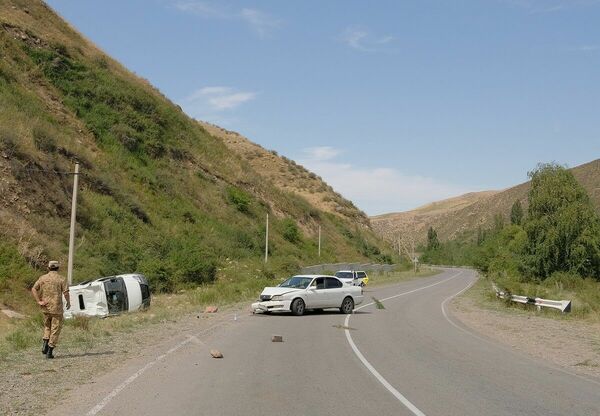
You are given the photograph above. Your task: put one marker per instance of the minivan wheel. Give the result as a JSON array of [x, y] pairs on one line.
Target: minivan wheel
[[298, 307], [347, 306]]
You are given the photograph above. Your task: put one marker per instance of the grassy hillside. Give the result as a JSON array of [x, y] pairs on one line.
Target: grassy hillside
[[159, 194], [463, 215], [287, 175], [413, 225]]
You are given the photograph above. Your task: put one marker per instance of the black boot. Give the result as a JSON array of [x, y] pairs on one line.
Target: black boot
[[49, 354], [45, 347]]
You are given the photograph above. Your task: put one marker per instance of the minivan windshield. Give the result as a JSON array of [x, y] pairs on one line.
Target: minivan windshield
[[344, 275], [297, 282]]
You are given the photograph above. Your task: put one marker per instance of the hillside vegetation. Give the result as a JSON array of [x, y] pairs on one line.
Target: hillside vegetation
[[551, 250], [457, 217], [159, 193], [287, 175]]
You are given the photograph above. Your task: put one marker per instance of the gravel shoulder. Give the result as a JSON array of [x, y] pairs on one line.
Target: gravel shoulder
[[569, 343]]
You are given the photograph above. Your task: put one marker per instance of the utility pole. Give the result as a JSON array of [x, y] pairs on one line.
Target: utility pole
[[72, 230], [319, 241], [267, 240]]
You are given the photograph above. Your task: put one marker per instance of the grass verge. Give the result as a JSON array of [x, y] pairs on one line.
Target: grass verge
[[584, 294]]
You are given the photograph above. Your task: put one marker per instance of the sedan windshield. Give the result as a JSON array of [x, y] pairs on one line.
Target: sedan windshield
[[297, 282]]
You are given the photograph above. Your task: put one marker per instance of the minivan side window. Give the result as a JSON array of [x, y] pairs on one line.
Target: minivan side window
[[360, 275]]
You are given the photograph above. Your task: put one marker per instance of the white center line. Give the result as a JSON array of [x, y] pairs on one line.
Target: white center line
[[414, 409]]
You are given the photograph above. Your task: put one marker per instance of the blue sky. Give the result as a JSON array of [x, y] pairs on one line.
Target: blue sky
[[394, 103]]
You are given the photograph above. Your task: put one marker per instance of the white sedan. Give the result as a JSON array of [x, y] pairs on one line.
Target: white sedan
[[300, 293]]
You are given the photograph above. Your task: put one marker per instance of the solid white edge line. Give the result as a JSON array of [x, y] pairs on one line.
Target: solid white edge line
[[503, 346], [106, 400], [414, 409]]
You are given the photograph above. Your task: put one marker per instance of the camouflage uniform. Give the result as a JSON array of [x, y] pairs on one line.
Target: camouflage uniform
[[51, 287]]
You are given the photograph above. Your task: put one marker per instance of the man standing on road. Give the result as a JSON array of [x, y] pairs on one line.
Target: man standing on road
[[48, 292]]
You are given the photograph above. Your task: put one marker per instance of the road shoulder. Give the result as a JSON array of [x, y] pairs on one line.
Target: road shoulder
[[568, 343]]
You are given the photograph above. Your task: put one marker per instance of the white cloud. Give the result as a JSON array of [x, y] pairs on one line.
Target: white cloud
[[359, 38], [260, 22], [380, 189], [230, 101], [207, 103], [202, 8], [321, 153]]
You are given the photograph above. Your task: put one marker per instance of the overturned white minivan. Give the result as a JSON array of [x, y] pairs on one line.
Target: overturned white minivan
[[109, 296]]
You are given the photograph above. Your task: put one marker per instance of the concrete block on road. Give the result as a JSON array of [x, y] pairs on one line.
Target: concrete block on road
[[277, 338]]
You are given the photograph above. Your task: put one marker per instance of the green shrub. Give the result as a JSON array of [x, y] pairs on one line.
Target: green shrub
[[239, 199], [199, 271], [290, 231]]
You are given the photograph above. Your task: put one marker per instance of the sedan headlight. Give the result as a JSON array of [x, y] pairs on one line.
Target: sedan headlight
[[277, 297]]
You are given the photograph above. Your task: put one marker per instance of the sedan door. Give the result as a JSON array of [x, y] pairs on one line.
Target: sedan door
[[316, 296], [335, 292]]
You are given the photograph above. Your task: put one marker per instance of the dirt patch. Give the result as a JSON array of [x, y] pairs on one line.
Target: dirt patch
[[572, 344]]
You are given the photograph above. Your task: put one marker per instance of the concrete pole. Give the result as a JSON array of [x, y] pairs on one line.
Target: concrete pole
[[319, 241], [72, 230], [267, 240]]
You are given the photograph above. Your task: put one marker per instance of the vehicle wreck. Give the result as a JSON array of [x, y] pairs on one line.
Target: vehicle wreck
[[110, 295]]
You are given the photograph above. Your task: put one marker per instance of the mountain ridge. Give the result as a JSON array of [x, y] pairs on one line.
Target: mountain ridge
[[478, 210]]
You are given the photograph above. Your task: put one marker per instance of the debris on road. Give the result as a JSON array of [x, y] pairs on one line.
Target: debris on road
[[378, 303], [216, 354], [338, 326], [277, 338], [211, 309]]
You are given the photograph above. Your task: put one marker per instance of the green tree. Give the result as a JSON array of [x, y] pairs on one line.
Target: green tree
[[516, 213], [432, 239], [498, 222], [563, 229]]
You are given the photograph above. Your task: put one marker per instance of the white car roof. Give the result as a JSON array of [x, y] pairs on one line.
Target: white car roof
[[312, 276]]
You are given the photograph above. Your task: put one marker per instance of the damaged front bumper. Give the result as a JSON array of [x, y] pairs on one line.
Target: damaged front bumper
[[271, 306]]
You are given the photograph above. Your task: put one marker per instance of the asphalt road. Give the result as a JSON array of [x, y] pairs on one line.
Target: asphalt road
[[411, 358]]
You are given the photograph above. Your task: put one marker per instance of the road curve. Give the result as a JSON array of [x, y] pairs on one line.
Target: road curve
[[410, 358]]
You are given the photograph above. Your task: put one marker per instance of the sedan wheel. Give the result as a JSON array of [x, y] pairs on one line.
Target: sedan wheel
[[347, 306], [298, 307]]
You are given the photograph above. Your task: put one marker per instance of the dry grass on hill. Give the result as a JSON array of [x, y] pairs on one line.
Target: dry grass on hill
[[464, 214]]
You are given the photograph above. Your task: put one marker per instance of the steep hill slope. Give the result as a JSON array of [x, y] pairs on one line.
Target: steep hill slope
[[457, 216], [159, 194], [287, 175]]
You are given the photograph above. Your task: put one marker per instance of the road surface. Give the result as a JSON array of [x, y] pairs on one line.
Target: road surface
[[411, 358]]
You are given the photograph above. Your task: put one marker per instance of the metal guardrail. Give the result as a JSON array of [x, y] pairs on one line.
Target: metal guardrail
[[562, 305]]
